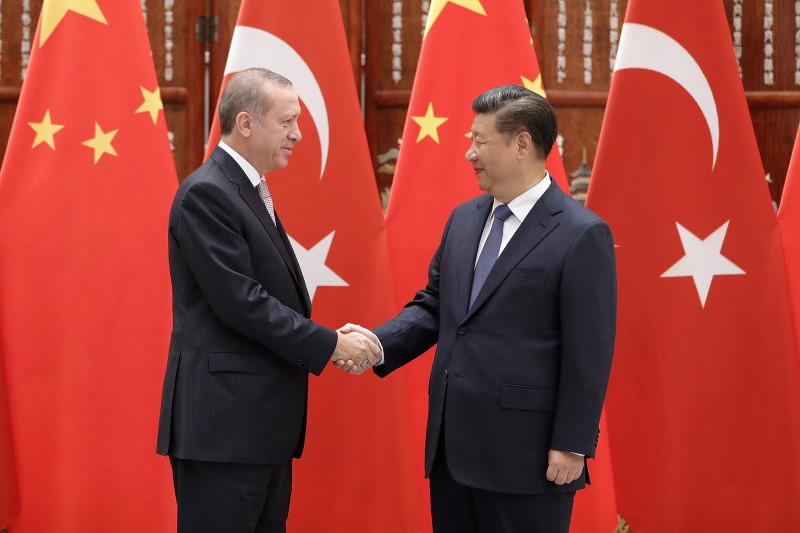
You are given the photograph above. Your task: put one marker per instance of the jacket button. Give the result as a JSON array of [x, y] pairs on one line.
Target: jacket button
[[445, 373], [462, 330]]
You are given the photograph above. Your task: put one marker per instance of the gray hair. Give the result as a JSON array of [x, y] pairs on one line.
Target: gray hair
[[245, 92], [518, 109]]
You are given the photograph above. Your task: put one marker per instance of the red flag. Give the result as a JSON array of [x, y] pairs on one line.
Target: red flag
[[85, 190], [703, 405], [432, 176], [789, 222], [9, 496], [356, 472]]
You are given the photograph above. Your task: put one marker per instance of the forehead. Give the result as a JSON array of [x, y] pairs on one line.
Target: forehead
[[284, 101], [484, 124]]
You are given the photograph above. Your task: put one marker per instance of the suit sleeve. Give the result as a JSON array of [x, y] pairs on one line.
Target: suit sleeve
[[416, 328], [588, 307], [212, 242]]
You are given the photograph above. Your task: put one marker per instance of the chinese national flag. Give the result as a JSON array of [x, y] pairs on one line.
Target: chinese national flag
[[789, 221], [703, 406], [356, 473], [432, 177], [9, 496], [85, 190]]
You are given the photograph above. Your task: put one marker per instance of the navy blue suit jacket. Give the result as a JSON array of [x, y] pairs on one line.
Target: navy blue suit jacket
[[525, 369], [242, 344]]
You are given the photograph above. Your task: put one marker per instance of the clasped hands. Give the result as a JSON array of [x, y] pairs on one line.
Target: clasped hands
[[357, 349]]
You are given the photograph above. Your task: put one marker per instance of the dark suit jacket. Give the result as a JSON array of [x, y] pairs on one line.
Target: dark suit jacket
[[242, 344], [526, 368]]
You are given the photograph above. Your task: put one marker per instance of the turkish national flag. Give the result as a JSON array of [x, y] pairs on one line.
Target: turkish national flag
[[468, 48], [356, 473], [85, 189], [703, 406], [789, 222]]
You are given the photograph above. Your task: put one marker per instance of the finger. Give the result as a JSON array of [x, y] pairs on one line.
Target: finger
[[347, 328], [551, 473], [338, 363], [561, 478], [374, 349]]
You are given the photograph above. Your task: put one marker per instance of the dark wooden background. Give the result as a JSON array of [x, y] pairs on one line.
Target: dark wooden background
[[775, 108]]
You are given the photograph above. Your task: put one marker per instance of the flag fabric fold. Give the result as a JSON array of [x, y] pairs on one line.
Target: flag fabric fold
[[356, 473], [704, 389], [432, 177], [9, 496], [789, 222], [85, 188]]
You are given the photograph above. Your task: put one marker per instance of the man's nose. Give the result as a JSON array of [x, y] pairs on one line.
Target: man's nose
[[295, 134], [470, 155]]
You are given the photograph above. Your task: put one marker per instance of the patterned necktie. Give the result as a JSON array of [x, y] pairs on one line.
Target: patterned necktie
[[491, 249], [263, 192]]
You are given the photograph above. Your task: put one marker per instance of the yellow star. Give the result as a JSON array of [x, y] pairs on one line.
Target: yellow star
[[45, 130], [53, 12], [535, 86], [438, 5], [152, 103], [101, 142], [428, 124]]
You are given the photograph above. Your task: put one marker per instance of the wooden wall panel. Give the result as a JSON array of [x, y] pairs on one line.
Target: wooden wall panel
[[368, 25], [11, 61]]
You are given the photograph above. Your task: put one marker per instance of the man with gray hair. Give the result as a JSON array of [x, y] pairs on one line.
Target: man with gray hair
[[521, 299], [233, 411]]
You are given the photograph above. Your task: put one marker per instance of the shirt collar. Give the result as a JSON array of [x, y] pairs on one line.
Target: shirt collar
[[249, 170], [522, 204]]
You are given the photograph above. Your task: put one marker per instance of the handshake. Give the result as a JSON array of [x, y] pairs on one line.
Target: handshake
[[357, 349]]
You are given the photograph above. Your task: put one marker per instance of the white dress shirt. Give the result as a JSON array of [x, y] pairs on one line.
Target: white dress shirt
[[249, 170], [520, 207]]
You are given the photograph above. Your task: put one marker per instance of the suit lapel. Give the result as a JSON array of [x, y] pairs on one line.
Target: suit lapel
[[468, 252], [537, 225], [250, 196], [301, 282]]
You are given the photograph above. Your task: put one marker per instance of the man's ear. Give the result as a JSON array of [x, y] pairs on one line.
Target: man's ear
[[524, 144], [244, 123]]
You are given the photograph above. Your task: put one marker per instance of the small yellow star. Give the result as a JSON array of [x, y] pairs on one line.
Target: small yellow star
[[101, 142], [152, 103], [45, 131], [428, 124], [535, 86], [53, 12], [438, 5]]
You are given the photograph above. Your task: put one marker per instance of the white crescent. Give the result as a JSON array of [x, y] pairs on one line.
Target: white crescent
[[253, 47], [647, 48]]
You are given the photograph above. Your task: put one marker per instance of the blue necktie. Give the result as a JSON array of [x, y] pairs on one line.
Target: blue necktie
[[491, 249]]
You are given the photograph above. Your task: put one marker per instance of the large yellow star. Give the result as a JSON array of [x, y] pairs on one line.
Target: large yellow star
[[438, 5], [45, 131], [101, 142], [152, 103], [428, 124], [53, 11], [535, 86]]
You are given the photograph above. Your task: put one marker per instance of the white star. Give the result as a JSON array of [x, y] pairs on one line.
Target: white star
[[312, 263], [703, 260]]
